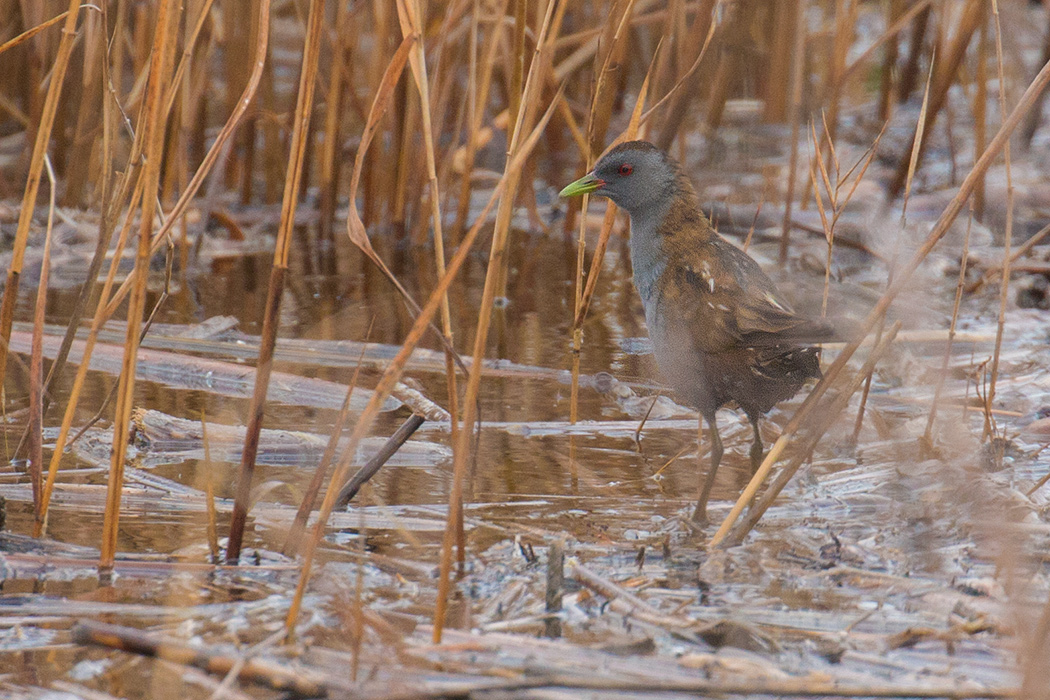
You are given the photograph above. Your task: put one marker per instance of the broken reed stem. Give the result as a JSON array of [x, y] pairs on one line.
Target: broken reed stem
[[268, 340], [136, 641], [1026, 102], [302, 516], [36, 167], [376, 461], [36, 363], [153, 131], [1004, 287]]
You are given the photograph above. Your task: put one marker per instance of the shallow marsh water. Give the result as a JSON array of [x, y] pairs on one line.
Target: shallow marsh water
[[873, 566]]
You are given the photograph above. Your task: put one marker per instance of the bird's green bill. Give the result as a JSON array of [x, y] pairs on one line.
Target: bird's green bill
[[587, 183]]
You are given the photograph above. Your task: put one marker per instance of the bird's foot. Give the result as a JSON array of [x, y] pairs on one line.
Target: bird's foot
[[700, 514]]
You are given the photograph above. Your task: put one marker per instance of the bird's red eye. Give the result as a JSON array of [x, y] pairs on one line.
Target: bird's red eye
[[626, 169]]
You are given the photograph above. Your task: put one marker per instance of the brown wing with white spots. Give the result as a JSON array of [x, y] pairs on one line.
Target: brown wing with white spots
[[727, 301]]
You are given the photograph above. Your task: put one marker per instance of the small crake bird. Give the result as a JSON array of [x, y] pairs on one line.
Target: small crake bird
[[721, 332]]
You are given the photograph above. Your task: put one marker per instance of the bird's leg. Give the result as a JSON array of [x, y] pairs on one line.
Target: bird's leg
[[700, 514], [757, 451]]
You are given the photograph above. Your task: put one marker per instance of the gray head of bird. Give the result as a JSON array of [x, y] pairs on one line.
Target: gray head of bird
[[636, 175]]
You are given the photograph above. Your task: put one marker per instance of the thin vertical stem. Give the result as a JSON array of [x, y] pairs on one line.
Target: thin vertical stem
[[161, 59], [36, 166], [1004, 287], [293, 181], [798, 60]]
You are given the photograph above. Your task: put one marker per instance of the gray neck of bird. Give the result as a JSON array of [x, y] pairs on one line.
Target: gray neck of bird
[[648, 258]]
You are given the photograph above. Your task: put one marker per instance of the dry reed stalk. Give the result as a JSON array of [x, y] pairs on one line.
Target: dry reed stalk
[[1032, 122], [926, 442], [734, 43], [698, 38], [397, 365], [214, 153], [980, 109], [909, 75], [328, 177], [888, 37], [939, 230], [675, 28], [36, 363], [33, 31], [517, 57], [798, 59], [523, 122], [405, 117], [132, 178], [78, 382], [889, 62], [1004, 287], [302, 516], [516, 94], [944, 77], [234, 43], [1022, 251], [829, 227], [354, 225], [473, 118], [783, 22], [117, 47], [412, 25], [136, 641], [36, 165], [110, 213], [87, 96], [209, 493], [1036, 678], [815, 686], [845, 20], [187, 55], [581, 297], [153, 129], [275, 291]]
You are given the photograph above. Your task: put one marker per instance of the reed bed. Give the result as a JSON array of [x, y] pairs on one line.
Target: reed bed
[[426, 129]]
